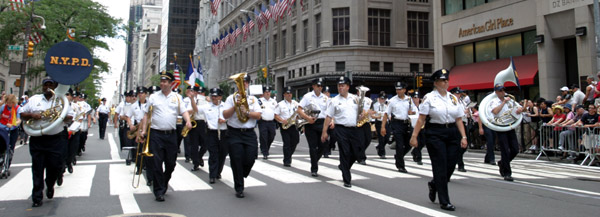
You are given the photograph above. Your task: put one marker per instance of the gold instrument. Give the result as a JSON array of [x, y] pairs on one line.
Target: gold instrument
[[186, 130], [362, 91], [242, 101], [51, 117], [145, 153], [132, 133], [290, 121]]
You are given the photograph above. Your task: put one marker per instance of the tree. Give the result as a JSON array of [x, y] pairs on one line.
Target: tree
[[89, 19]]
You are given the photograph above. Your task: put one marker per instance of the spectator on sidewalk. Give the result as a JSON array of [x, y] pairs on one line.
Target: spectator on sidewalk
[[578, 97], [589, 91]]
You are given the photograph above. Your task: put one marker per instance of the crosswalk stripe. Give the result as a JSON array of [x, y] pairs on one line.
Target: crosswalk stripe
[[393, 200], [412, 169], [18, 188], [183, 180], [331, 173], [520, 169], [227, 178], [114, 152], [120, 177], [280, 174], [77, 184], [371, 170]]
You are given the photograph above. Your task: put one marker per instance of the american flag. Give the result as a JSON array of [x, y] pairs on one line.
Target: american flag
[[231, 36], [250, 24], [177, 80], [16, 5], [238, 31], [257, 19], [283, 6], [244, 30], [291, 7], [34, 36], [214, 5], [265, 16]]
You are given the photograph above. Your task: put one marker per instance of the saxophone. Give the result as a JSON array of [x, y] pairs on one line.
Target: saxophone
[[242, 101], [185, 130], [361, 92], [290, 121]]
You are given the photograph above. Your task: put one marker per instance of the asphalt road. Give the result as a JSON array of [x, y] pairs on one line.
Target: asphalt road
[[101, 186]]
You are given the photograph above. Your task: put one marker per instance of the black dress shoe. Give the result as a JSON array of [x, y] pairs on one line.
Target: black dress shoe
[[462, 169], [239, 194], [325, 156], [127, 162], [74, 161], [160, 198], [382, 157], [50, 193], [347, 185], [500, 168], [432, 191], [287, 165], [187, 160], [219, 177], [59, 181], [70, 168], [419, 163], [37, 204], [83, 149], [508, 178], [492, 163], [314, 174], [212, 181], [201, 162], [448, 207], [362, 162], [265, 157], [149, 183], [402, 170], [195, 168]]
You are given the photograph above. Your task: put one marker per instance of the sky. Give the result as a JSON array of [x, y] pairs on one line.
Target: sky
[[116, 56]]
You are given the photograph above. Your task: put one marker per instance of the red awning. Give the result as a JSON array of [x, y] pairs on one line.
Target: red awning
[[481, 75]]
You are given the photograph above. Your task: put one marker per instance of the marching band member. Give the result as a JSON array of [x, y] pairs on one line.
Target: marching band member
[[186, 140], [317, 102], [266, 125], [380, 107], [444, 129], [46, 150], [217, 129], [102, 115], [366, 130], [135, 116], [197, 135], [131, 123], [332, 140], [166, 105], [87, 109], [509, 145], [343, 108], [284, 110], [242, 138], [458, 93], [416, 152], [179, 125], [400, 107], [74, 131]]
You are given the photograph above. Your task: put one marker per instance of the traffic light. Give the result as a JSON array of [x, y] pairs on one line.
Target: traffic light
[[419, 81], [30, 49], [264, 70]]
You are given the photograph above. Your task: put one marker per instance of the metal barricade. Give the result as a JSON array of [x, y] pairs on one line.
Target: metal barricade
[[569, 141], [591, 144]]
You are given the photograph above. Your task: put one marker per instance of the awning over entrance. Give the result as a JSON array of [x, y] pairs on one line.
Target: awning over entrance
[[481, 75]]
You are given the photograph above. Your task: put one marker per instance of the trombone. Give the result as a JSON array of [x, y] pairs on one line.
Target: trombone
[[145, 153]]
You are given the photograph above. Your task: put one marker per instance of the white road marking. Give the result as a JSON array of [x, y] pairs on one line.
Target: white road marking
[[280, 174], [371, 170], [392, 200], [18, 188], [412, 169], [227, 178], [77, 184], [114, 150], [331, 173], [129, 204], [183, 180], [121, 176]]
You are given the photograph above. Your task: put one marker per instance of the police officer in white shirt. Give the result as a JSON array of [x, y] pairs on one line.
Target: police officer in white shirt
[[290, 136], [317, 103], [165, 106], [331, 143], [197, 135], [459, 160], [266, 124], [366, 130], [380, 107], [242, 141], [216, 133], [87, 109], [399, 108], [73, 139], [343, 108], [121, 119], [509, 145], [102, 115], [444, 129], [46, 150]]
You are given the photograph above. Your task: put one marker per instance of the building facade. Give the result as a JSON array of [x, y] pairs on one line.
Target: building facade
[[206, 31], [144, 15], [551, 43], [377, 42], [178, 32]]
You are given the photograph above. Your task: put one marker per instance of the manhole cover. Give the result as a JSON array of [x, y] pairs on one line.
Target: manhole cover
[[149, 215]]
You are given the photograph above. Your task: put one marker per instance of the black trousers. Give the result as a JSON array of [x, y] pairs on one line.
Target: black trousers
[[102, 119], [443, 145], [164, 148], [402, 132], [382, 139], [72, 147], [366, 131], [217, 150], [416, 152], [290, 138], [83, 139], [266, 130], [509, 148], [122, 136], [46, 154], [178, 129], [316, 147], [490, 141], [349, 141], [331, 142], [461, 152], [198, 145], [243, 150]]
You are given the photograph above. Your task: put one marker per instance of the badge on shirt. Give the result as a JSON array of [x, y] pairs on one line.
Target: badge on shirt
[[174, 100]]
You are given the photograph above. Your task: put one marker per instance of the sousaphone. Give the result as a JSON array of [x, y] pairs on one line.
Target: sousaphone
[[508, 120]]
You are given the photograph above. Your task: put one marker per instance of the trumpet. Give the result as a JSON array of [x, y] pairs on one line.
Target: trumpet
[[146, 153], [242, 101], [186, 130]]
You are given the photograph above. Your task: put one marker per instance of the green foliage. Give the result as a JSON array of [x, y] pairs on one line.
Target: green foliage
[[90, 20], [226, 88]]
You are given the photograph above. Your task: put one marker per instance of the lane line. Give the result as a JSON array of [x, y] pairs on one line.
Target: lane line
[[114, 150], [280, 174], [129, 204], [183, 180], [331, 173], [18, 188], [371, 170], [227, 178], [121, 176]]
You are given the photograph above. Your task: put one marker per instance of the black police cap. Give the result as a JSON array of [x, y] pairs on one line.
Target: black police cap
[[318, 81], [443, 74], [216, 92], [167, 76], [288, 90], [344, 80]]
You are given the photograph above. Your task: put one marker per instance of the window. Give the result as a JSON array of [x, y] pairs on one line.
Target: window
[[283, 43], [305, 36], [246, 59], [318, 68], [418, 29], [463, 54], [453, 6], [294, 11], [294, 40], [496, 48], [259, 54], [388, 66], [414, 67], [341, 26], [317, 2], [340, 66], [528, 46], [427, 68], [312, 69], [509, 46], [274, 47], [485, 50], [318, 30], [252, 55], [379, 27], [374, 66]]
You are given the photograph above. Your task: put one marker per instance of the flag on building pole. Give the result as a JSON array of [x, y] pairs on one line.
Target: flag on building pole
[[200, 78], [214, 5], [177, 80], [257, 19], [283, 6], [192, 74]]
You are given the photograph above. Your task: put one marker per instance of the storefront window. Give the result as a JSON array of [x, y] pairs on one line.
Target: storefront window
[[473, 3], [528, 45], [463, 54], [485, 50], [509, 46], [453, 6]]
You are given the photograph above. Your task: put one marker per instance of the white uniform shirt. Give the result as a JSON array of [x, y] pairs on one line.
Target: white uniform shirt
[[343, 110], [398, 108], [286, 109], [441, 109], [577, 98], [496, 102], [136, 112], [103, 109], [316, 102], [212, 113], [76, 111], [380, 108], [464, 105], [233, 121], [119, 108], [38, 103], [200, 101], [268, 108], [165, 110]]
